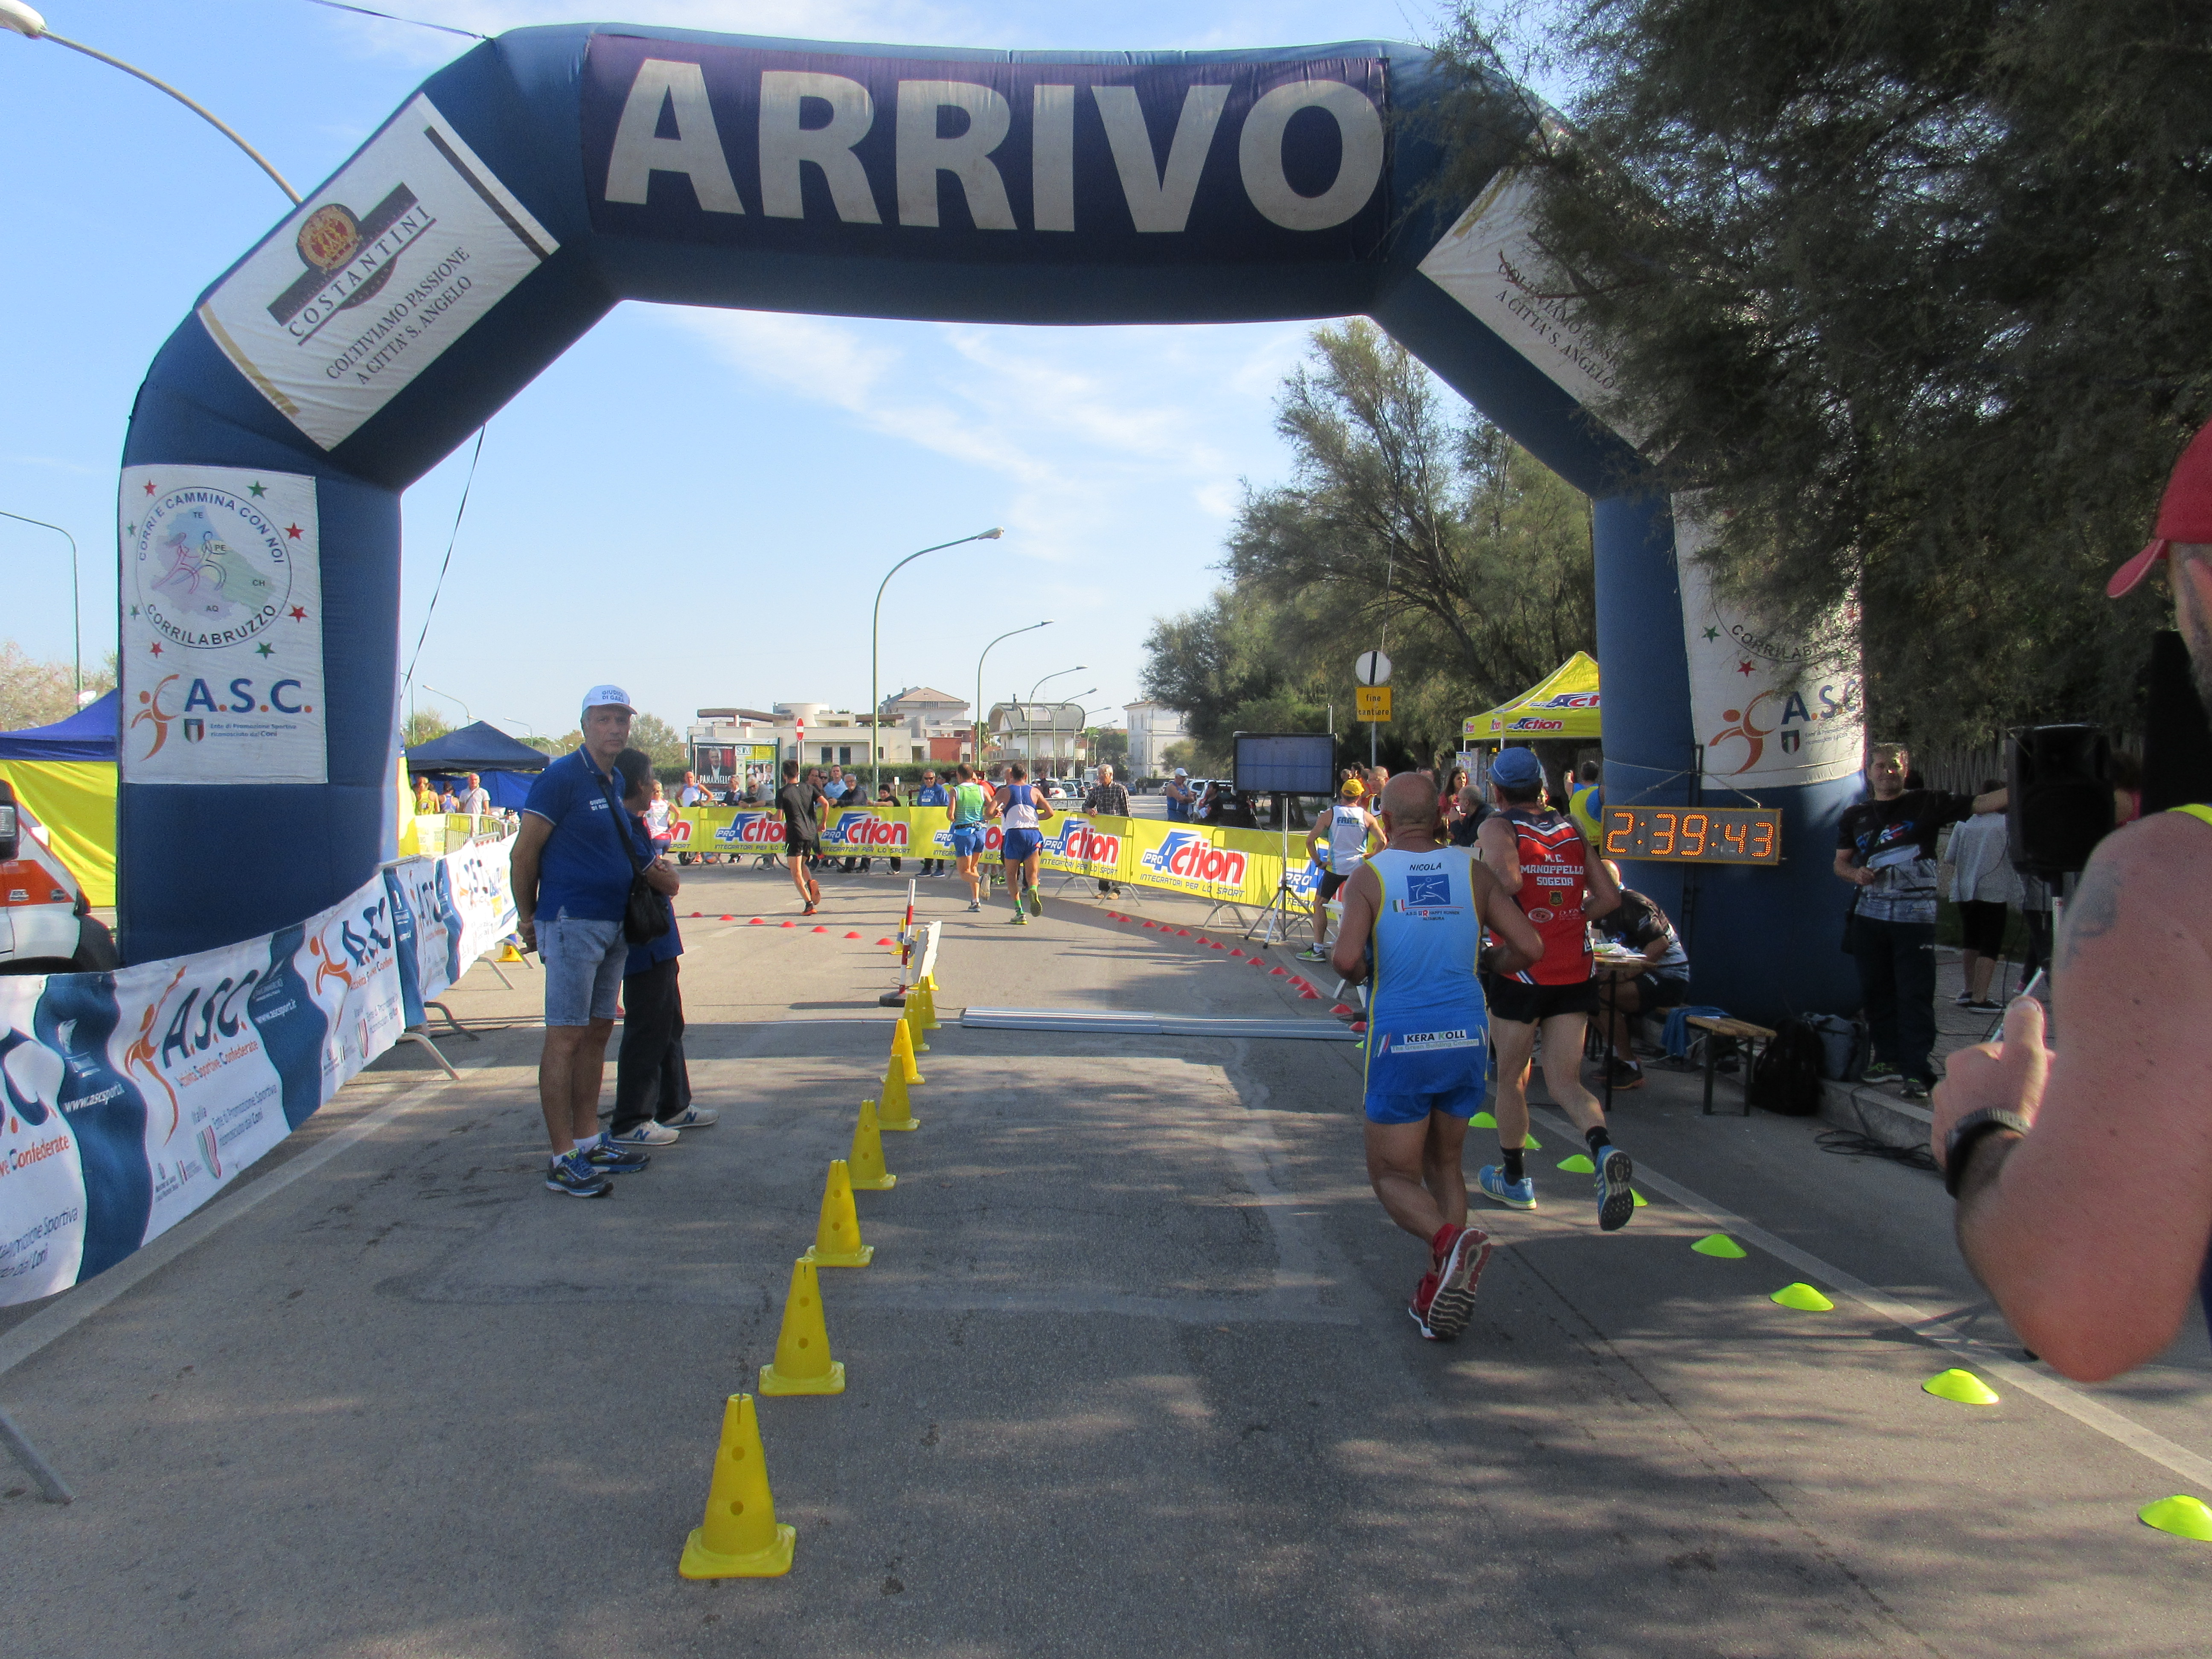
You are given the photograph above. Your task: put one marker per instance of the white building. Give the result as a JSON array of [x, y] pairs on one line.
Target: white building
[[918, 728], [1048, 737], [1152, 727]]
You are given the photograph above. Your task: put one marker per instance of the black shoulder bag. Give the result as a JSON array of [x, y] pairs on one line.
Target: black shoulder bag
[[645, 918]]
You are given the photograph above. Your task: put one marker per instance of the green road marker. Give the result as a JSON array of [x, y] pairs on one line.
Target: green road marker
[[1962, 1386], [2183, 1516], [1578, 1164], [1803, 1298], [1482, 1121], [1722, 1245]]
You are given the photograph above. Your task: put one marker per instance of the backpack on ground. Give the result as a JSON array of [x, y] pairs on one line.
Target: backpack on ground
[[1847, 1047], [1787, 1077]]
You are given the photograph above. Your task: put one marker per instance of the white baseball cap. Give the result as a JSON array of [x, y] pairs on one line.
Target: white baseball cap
[[607, 696], [1181, 773]]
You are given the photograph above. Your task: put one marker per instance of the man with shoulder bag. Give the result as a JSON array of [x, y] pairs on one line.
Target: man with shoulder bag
[[575, 874]]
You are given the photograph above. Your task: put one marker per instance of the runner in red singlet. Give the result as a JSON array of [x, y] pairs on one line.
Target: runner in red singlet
[[1541, 858]]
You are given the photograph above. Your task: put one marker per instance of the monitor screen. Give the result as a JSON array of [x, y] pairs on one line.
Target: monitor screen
[[1286, 763]]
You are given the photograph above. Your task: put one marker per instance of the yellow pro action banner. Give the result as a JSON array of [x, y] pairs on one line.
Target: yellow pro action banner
[[1233, 866]]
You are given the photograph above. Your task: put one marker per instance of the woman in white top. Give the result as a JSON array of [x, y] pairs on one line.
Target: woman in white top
[[1977, 876]]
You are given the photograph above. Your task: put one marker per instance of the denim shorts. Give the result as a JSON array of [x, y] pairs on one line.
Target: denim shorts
[[584, 961]]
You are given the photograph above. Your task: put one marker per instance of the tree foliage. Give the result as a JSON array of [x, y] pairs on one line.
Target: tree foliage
[[1914, 294], [1410, 524], [37, 692], [423, 726]]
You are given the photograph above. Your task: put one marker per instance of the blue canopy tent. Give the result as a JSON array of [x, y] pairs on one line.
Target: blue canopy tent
[[65, 774], [503, 765]]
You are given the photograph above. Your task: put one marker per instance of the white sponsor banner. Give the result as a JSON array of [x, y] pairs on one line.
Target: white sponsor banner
[[222, 627], [373, 276], [41, 1179], [132, 1098], [1764, 714], [1489, 262]]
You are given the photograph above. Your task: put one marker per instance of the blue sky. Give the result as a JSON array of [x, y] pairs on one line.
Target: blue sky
[[697, 504]]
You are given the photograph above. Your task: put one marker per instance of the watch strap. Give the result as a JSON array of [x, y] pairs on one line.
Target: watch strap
[[1967, 1132]]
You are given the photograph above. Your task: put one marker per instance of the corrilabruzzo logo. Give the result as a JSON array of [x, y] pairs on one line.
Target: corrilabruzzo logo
[[222, 627]]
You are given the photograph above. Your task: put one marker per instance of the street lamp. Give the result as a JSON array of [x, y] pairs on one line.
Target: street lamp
[[875, 708], [18, 19], [978, 722], [77, 612], [465, 711], [1029, 722]]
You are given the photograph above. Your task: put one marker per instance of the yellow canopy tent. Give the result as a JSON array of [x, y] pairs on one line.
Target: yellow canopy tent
[[1564, 705], [64, 774]]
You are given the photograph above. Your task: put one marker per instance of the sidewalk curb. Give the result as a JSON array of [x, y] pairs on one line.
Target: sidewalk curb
[[1875, 1113]]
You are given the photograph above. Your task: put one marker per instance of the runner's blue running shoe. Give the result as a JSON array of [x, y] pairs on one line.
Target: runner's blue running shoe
[[1615, 1202], [1514, 1194], [608, 1159], [570, 1176]]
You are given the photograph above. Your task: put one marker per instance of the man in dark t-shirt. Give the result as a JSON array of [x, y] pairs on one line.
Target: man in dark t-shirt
[[1886, 846], [800, 803]]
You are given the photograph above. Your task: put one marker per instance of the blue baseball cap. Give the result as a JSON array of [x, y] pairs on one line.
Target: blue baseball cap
[[1518, 768]]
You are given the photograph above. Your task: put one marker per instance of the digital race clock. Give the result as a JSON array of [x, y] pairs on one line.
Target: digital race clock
[[1695, 835]]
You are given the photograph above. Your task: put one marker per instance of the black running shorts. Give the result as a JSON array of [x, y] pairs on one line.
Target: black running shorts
[[1525, 1004]]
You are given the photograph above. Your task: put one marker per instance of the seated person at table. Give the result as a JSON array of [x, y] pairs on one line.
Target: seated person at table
[[1663, 981]]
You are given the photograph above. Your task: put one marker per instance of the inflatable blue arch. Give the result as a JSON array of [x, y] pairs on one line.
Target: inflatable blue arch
[[546, 175]]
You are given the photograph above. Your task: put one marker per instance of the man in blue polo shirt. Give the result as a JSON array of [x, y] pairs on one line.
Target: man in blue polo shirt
[[572, 873], [932, 793]]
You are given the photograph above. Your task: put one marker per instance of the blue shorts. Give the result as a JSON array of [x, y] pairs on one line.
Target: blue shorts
[[967, 840], [1463, 1102], [1017, 845], [584, 960]]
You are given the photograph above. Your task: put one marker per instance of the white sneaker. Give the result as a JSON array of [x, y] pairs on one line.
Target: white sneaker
[[647, 1133], [694, 1117]]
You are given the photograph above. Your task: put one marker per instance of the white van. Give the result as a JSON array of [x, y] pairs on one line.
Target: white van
[[46, 925]]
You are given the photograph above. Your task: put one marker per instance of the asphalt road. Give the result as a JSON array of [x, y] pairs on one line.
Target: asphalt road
[[1131, 1373]]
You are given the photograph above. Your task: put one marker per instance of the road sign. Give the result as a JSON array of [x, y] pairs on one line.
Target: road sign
[[1372, 668], [1374, 702]]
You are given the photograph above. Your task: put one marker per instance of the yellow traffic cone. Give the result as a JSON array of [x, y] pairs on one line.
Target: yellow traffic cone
[[895, 1112], [910, 1019], [837, 1235], [739, 1537], [508, 953], [868, 1173], [802, 1363], [928, 990], [902, 1051]]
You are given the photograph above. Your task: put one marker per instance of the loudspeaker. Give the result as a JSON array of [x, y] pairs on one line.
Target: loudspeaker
[[2059, 778]]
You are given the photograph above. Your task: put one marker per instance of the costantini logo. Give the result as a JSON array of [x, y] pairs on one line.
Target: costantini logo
[[1187, 854]]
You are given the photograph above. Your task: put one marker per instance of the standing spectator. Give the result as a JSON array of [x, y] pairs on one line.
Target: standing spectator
[[1472, 810], [1107, 798], [800, 802], [691, 794], [1208, 805], [658, 829], [653, 1085], [886, 795], [2035, 916], [837, 785], [447, 800], [1448, 803], [1886, 845], [932, 793], [426, 796], [572, 872], [1178, 795], [475, 799], [1586, 801], [1978, 876]]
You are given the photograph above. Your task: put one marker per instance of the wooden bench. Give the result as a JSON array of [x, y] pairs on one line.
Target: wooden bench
[[1737, 1033]]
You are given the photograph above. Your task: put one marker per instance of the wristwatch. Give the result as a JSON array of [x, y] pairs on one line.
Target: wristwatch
[[1967, 1134]]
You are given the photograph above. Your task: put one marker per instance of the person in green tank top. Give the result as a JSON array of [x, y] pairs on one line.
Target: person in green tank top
[[2083, 1173], [969, 813]]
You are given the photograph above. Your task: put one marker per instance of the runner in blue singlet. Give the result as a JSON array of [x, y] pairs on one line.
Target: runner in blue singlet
[[1425, 906], [1021, 843]]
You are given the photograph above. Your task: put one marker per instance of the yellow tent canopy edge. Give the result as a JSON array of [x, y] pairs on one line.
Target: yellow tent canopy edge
[[74, 800], [1564, 704]]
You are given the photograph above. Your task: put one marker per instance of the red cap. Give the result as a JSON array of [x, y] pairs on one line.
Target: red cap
[[2185, 514]]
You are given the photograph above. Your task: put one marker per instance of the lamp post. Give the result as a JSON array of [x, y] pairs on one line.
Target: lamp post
[[76, 612], [1029, 723], [18, 19], [875, 708], [1008, 634], [466, 713]]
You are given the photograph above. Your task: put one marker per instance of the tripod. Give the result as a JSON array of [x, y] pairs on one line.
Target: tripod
[[1284, 909]]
